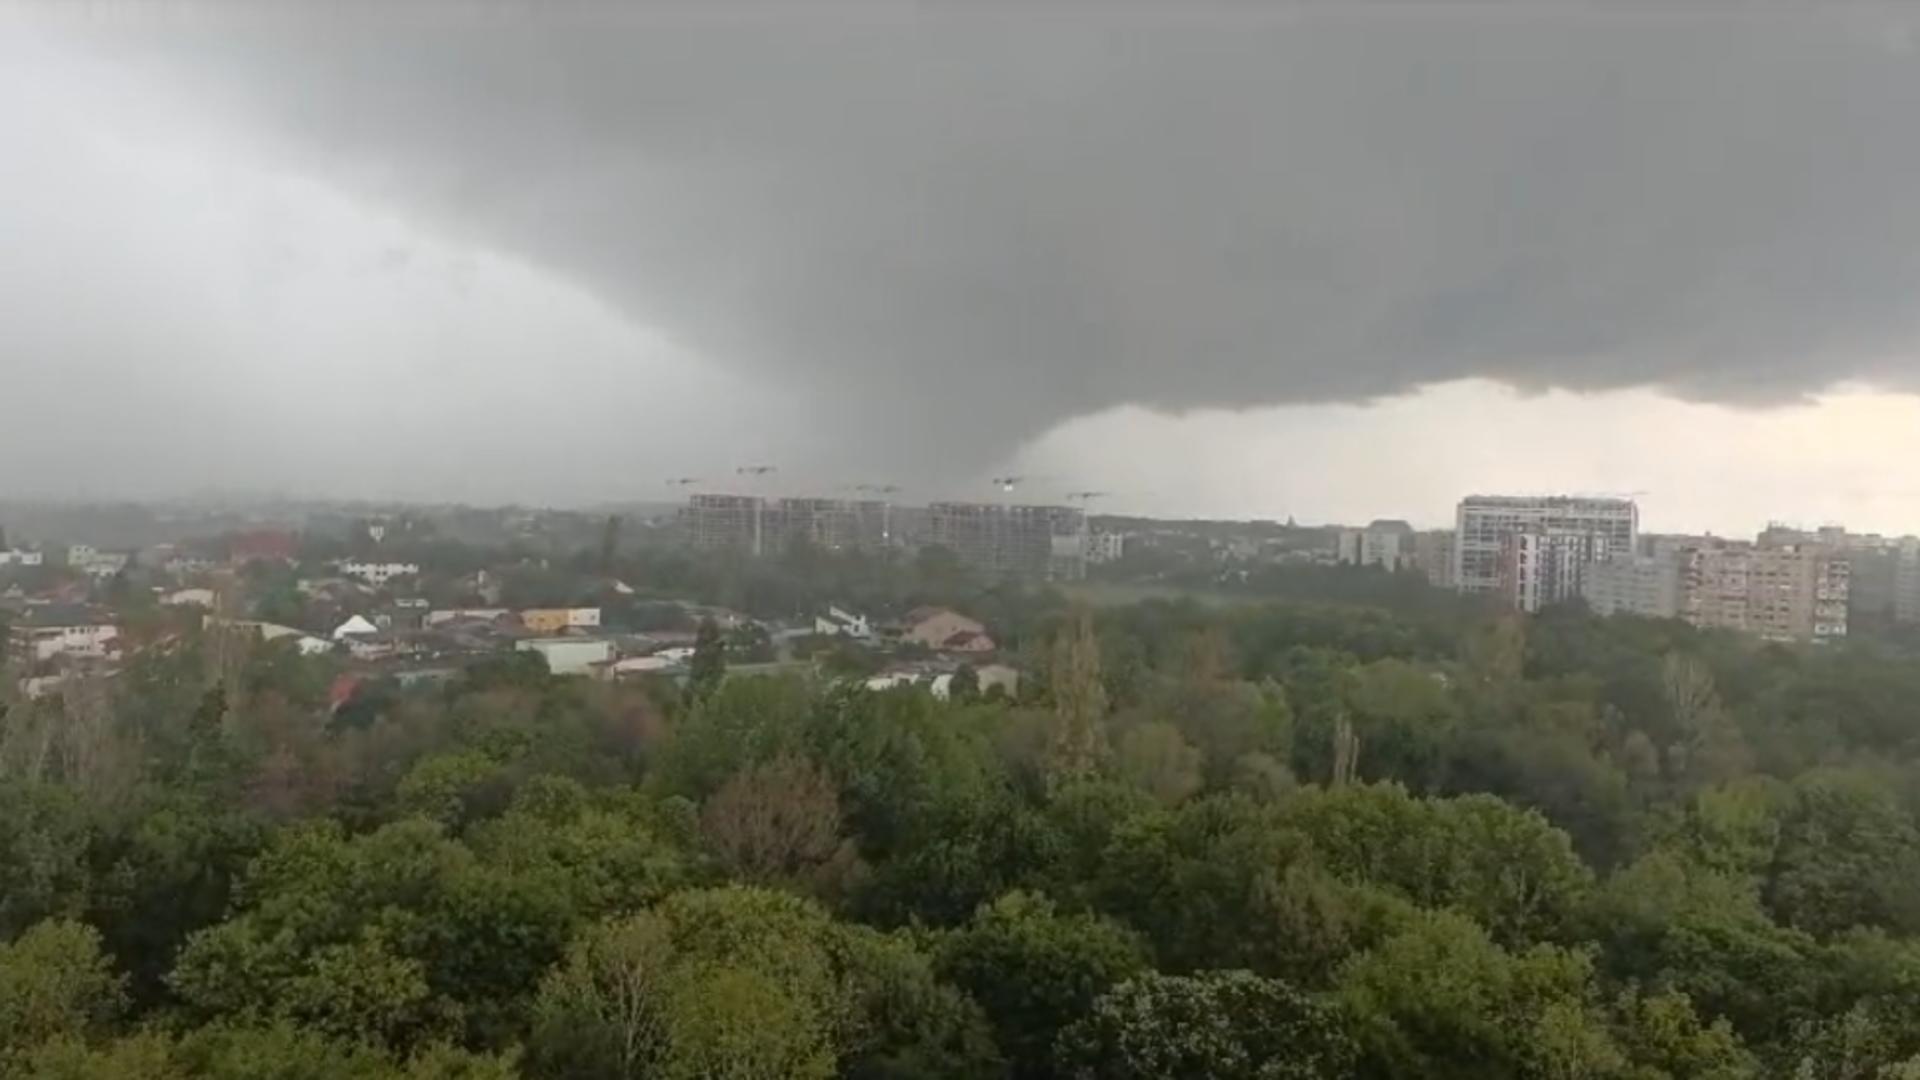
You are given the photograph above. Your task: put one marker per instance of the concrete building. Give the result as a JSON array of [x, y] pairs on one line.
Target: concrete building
[[752, 525], [46, 631], [1642, 585], [998, 541], [839, 622], [1906, 581], [1433, 556], [1482, 522], [560, 620], [21, 557], [945, 630], [1545, 566], [571, 656], [1792, 592], [377, 574], [1106, 547], [1387, 544]]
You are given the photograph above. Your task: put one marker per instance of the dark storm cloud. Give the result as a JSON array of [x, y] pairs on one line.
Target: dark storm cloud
[[950, 234]]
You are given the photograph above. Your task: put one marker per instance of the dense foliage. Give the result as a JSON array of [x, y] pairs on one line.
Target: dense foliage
[[1259, 841]]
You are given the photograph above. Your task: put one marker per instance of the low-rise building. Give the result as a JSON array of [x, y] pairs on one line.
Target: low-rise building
[[46, 631], [21, 557], [944, 630], [838, 622], [377, 574], [195, 597], [571, 656], [559, 620]]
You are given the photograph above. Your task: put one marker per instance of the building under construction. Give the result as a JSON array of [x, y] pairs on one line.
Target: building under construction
[[752, 525], [1045, 543]]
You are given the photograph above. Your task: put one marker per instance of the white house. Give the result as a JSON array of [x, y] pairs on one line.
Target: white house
[[202, 598], [570, 656], [447, 615], [357, 626], [642, 665], [377, 574], [51, 630], [21, 557], [839, 623]]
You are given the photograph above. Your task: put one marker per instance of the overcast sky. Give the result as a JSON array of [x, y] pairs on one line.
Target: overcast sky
[[1335, 263]]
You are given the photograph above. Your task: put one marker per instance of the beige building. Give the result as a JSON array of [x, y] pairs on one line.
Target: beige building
[[945, 630], [1790, 592], [1642, 585]]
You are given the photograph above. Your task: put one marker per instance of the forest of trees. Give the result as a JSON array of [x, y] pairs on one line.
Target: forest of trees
[[1276, 841]]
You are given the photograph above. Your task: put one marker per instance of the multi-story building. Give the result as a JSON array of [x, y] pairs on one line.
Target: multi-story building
[[1000, 541], [1645, 585], [1545, 566], [1906, 581], [1383, 543], [1484, 521], [1433, 556], [1789, 592], [752, 525], [377, 574], [1106, 547], [49, 630]]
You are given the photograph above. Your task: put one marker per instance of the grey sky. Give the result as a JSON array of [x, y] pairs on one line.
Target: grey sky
[[912, 246]]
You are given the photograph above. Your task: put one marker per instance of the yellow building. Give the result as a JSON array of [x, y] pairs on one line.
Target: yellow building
[[545, 620]]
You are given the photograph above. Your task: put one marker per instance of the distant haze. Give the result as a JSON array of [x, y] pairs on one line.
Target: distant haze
[[1215, 263]]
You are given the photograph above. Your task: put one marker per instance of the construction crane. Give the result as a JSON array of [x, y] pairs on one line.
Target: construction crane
[[754, 470], [877, 489], [1007, 483], [1084, 496], [683, 481]]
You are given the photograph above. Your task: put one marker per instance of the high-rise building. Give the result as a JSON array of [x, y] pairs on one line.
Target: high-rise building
[[1906, 581], [1789, 592], [1647, 585], [998, 541], [1484, 521], [752, 525], [1433, 556], [1545, 566], [732, 523]]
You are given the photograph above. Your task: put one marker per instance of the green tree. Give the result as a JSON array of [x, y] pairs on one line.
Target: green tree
[[1226, 1025], [1441, 1000], [708, 667], [1154, 758], [55, 981], [1035, 971], [1078, 741]]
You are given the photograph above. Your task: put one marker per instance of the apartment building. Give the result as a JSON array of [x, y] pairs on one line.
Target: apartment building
[[1906, 581], [1383, 543], [1483, 522], [1644, 585], [1787, 592], [1545, 566], [1433, 556], [752, 525], [998, 541]]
